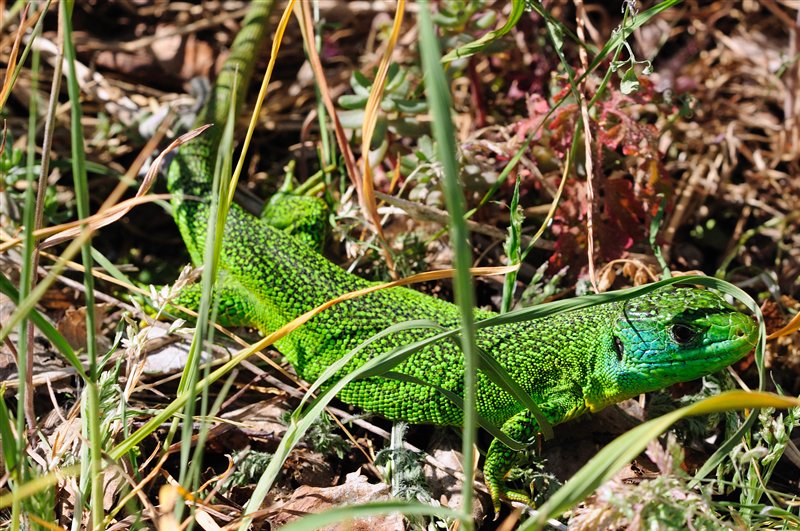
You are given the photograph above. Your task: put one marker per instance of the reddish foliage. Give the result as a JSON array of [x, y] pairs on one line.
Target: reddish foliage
[[629, 173]]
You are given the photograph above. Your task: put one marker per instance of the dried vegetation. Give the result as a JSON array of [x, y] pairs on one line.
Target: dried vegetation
[[705, 152]]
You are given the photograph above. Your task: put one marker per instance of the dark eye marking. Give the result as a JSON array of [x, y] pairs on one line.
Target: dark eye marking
[[682, 334], [619, 348]]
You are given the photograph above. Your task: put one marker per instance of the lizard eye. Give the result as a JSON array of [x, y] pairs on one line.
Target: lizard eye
[[619, 348], [682, 334]]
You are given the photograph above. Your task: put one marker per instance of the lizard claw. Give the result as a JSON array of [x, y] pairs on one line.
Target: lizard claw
[[498, 492], [499, 461]]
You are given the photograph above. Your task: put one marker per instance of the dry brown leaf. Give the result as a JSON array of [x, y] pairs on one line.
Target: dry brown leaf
[[355, 490], [73, 326]]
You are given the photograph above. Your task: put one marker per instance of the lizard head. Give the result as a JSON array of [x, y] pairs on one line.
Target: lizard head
[[668, 336]]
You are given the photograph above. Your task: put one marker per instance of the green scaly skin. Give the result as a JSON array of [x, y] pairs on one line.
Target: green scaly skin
[[570, 363]]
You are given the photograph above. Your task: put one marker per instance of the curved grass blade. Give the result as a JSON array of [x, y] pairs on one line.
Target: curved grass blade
[[471, 48], [335, 367], [627, 446], [301, 422], [491, 368], [585, 301], [458, 401]]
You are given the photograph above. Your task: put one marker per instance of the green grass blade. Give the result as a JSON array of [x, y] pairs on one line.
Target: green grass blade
[[383, 365], [437, 92], [110, 268], [7, 440], [512, 248], [497, 373], [493, 430], [92, 417], [79, 177], [37, 485], [549, 309], [204, 326], [339, 364], [478, 45], [627, 446]]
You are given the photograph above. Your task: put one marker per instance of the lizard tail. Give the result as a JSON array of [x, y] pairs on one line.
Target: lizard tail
[[193, 170]]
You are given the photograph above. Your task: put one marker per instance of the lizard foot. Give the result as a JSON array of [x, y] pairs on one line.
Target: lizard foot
[[499, 460]]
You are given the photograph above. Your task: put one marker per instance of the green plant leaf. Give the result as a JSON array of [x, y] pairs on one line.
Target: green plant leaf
[[7, 439], [478, 45], [629, 83], [352, 101]]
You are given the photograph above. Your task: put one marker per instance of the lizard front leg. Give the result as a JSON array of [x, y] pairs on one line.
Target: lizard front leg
[[523, 427], [303, 217]]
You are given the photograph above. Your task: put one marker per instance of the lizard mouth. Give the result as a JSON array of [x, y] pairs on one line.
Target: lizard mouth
[[691, 345], [727, 338], [647, 360]]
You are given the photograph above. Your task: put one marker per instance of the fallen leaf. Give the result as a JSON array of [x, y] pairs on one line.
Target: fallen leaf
[[355, 490]]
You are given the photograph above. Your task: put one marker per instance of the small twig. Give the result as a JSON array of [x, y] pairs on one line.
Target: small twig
[[54, 401], [429, 213], [10, 345]]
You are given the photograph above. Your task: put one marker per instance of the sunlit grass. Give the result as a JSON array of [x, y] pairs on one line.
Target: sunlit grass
[[192, 401]]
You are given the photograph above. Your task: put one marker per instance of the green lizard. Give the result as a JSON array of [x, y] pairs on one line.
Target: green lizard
[[569, 364]]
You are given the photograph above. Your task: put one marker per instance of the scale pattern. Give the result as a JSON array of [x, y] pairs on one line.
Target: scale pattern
[[569, 363]]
